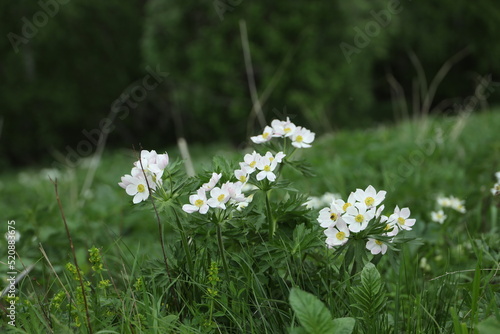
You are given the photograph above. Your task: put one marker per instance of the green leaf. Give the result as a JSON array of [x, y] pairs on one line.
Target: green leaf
[[298, 330], [488, 326], [343, 325], [311, 312]]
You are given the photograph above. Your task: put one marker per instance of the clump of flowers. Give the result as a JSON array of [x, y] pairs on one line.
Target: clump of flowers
[[146, 175], [317, 202], [446, 203], [360, 217], [300, 137], [254, 167], [495, 191]]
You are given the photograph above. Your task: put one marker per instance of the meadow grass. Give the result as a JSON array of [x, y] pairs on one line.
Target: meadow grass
[[443, 281]]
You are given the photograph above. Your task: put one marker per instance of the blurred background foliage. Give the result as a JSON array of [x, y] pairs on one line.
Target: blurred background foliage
[[67, 76]]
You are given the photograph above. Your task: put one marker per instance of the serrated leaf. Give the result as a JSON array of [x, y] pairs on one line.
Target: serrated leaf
[[343, 325], [311, 312]]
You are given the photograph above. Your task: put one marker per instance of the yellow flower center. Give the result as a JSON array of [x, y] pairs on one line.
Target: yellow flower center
[[271, 159], [141, 188], [378, 242], [340, 235], [267, 168], [359, 218], [333, 216], [346, 205], [401, 221], [243, 179], [265, 135], [221, 197], [198, 202], [369, 201], [299, 139], [287, 130], [252, 164], [387, 227]]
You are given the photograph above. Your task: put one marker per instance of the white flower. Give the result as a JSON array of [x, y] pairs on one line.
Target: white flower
[[391, 227], [241, 175], [137, 188], [313, 202], [234, 191], [241, 205], [126, 180], [342, 206], [266, 167], [251, 160], [457, 204], [283, 128], [400, 217], [438, 217], [266, 136], [370, 197], [376, 246], [337, 235], [219, 198], [443, 202], [496, 189], [302, 137], [358, 216], [12, 235], [212, 182], [198, 203], [328, 217], [278, 157]]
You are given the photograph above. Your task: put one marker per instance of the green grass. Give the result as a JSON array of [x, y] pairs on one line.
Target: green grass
[[414, 161]]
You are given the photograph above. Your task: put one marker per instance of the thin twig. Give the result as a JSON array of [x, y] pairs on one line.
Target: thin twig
[[257, 107], [462, 271], [74, 255]]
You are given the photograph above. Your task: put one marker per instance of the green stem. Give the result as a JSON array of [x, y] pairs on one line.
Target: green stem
[[222, 250], [270, 220], [184, 243]]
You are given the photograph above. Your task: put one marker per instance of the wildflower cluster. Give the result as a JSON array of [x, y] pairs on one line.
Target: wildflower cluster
[[361, 217], [451, 202], [495, 191], [95, 259], [300, 137], [231, 193], [146, 175]]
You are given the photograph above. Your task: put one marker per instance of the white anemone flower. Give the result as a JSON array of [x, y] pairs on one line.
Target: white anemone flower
[[328, 217], [137, 188], [198, 203], [438, 216], [376, 246], [251, 161], [241, 175], [337, 235], [266, 136], [358, 216], [212, 182], [302, 138], [496, 189], [342, 206], [401, 218], [370, 197], [283, 128], [266, 167], [219, 197], [457, 204]]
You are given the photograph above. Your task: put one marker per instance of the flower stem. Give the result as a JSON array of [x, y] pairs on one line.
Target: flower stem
[[270, 220], [222, 250], [184, 242]]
